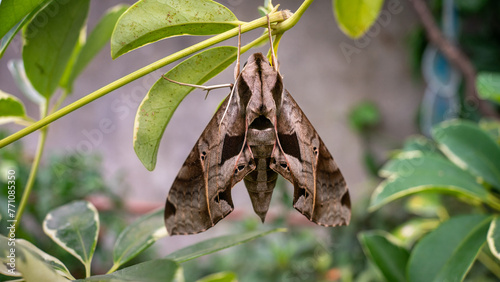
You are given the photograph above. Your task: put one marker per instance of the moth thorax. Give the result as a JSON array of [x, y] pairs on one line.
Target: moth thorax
[[261, 139]]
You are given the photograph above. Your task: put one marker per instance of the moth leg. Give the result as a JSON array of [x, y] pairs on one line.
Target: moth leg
[[237, 67], [205, 88], [274, 61]]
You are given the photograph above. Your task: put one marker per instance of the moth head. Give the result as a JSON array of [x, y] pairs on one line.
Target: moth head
[[260, 88]]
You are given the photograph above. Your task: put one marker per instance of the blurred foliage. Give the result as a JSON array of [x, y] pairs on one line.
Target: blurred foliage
[[425, 173], [304, 253], [363, 116], [363, 119], [479, 33], [62, 179]]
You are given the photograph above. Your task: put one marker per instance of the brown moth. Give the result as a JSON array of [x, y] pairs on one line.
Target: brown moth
[[257, 134]]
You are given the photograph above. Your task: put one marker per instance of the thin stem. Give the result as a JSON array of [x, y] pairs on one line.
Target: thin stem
[[275, 17], [489, 263], [291, 21], [59, 101], [113, 268], [24, 121], [34, 166], [87, 269], [493, 201], [453, 54]]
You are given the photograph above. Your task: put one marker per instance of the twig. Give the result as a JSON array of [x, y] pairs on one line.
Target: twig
[[454, 55]]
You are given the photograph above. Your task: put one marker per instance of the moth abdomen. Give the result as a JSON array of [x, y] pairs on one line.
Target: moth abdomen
[[260, 184]]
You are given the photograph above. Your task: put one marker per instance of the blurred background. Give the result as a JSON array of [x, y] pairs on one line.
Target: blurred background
[[362, 96]]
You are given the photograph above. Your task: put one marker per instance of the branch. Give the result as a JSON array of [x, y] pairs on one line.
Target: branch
[[454, 55]]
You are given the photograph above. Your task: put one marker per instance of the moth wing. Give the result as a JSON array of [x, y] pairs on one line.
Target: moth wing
[[201, 193], [320, 191]]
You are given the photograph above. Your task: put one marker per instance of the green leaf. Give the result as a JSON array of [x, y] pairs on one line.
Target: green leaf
[[51, 261], [364, 115], [157, 270], [492, 127], [48, 48], [472, 149], [383, 250], [149, 21], [494, 237], [6, 38], [488, 86], [412, 230], [216, 244], [97, 39], [419, 143], [13, 11], [11, 108], [447, 253], [16, 68], [470, 6], [220, 277], [138, 236], [74, 227], [419, 173], [355, 17], [26, 262], [426, 205], [162, 100]]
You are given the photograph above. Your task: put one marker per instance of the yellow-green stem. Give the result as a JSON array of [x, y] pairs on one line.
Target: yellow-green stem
[[34, 166], [493, 201], [275, 17], [489, 263]]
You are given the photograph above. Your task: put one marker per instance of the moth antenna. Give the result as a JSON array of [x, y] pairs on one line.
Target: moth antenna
[[205, 88], [227, 107], [237, 67], [274, 61]]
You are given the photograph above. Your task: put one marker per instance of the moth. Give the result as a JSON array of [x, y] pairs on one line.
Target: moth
[[256, 134]]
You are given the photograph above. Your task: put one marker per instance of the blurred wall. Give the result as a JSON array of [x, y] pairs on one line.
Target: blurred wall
[[325, 71]]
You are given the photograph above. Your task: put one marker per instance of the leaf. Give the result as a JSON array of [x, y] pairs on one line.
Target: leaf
[[419, 143], [13, 11], [364, 115], [74, 227], [389, 257], [494, 237], [492, 127], [220, 277], [26, 262], [472, 149], [16, 68], [216, 244], [48, 48], [488, 86], [164, 97], [426, 205], [97, 39], [355, 17], [419, 173], [447, 253], [6, 38], [157, 270], [51, 261], [149, 21], [138, 236], [11, 108], [412, 230]]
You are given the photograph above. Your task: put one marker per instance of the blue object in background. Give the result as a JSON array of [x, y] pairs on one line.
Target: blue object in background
[[441, 99]]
